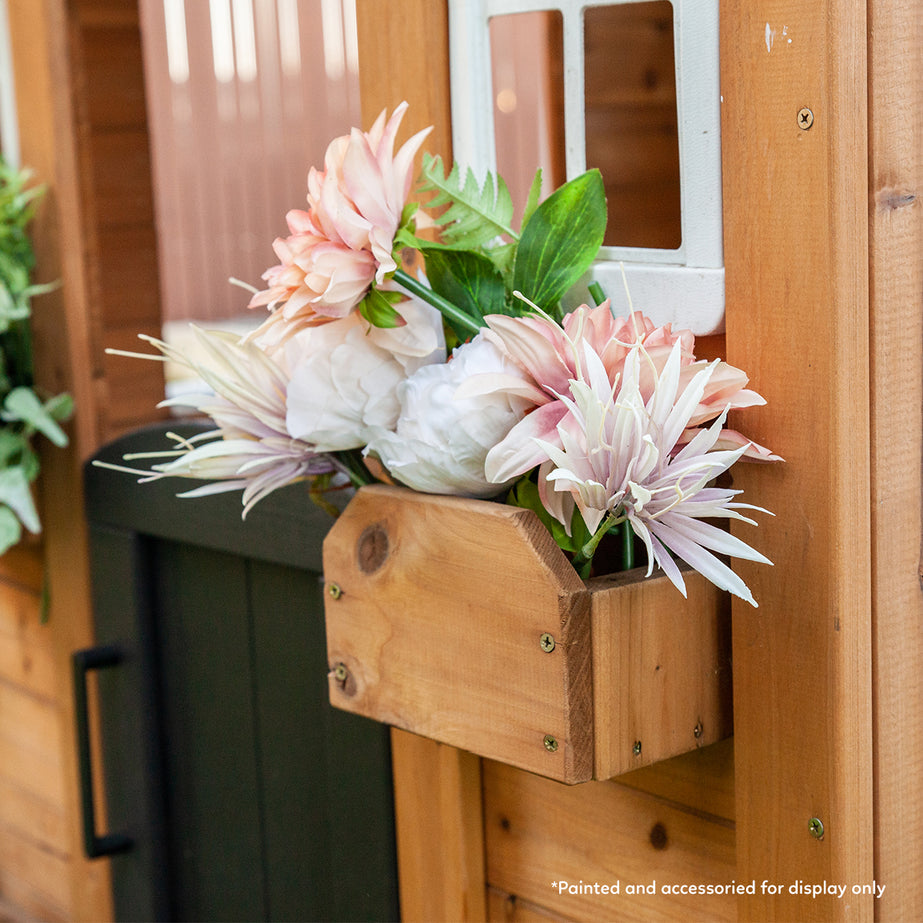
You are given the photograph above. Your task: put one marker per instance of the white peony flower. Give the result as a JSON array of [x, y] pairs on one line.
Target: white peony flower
[[442, 438], [345, 374]]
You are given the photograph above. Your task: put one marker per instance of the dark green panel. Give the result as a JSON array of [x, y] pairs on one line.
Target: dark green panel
[[209, 730], [327, 783], [130, 729]]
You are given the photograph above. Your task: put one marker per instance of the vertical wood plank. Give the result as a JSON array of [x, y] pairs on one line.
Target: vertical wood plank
[[404, 50], [61, 325], [440, 830], [797, 320], [896, 291]]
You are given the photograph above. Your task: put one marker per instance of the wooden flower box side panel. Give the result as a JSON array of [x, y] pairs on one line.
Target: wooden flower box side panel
[[661, 669], [436, 609]]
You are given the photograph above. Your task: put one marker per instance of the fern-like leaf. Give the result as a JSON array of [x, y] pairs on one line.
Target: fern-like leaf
[[477, 213]]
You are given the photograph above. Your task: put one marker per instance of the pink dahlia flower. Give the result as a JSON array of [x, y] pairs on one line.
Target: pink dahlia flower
[[344, 241]]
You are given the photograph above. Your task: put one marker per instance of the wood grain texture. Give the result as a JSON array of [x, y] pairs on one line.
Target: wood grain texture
[[404, 54], [444, 603], [896, 293], [796, 219], [701, 780], [539, 832], [440, 832], [661, 669]]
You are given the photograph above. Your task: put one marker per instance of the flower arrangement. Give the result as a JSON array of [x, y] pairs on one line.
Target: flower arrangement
[[469, 379]]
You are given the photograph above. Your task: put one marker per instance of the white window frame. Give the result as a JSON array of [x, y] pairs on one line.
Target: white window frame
[[684, 286]]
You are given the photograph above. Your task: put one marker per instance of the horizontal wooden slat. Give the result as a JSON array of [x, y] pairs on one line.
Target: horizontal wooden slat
[[40, 872], [32, 904], [507, 908], [701, 781], [30, 723], [539, 832], [32, 817]]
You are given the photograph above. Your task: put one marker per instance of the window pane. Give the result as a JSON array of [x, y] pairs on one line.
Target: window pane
[[631, 124], [527, 61]]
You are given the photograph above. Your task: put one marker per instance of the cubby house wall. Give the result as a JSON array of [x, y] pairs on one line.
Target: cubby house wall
[[824, 257]]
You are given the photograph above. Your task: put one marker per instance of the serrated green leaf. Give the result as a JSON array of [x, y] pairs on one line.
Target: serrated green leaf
[[477, 213], [535, 191], [560, 240], [17, 495], [22, 404], [467, 279], [10, 529], [378, 309]]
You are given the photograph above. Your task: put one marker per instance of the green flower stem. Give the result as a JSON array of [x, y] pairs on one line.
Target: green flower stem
[[596, 293], [584, 557], [350, 462], [446, 308], [628, 545]]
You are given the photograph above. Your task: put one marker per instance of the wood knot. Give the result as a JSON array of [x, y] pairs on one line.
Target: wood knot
[[658, 836], [891, 199], [373, 548]]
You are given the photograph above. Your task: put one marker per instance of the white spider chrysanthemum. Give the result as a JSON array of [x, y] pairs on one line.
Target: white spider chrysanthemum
[[251, 450], [618, 462]]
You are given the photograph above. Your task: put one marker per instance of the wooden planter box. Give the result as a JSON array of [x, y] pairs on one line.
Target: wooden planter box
[[462, 621]]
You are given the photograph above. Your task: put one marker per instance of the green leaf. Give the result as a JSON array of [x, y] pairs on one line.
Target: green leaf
[[22, 404], [60, 407], [13, 447], [524, 493], [560, 240], [10, 529], [378, 309], [476, 213], [16, 494], [535, 191], [468, 280]]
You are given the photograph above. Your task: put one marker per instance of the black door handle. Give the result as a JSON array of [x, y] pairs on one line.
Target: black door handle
[[93, 658]]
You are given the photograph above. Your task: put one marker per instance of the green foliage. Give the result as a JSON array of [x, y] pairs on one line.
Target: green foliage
[[24, 412], [560, 240], [476, 213], [480, 261]]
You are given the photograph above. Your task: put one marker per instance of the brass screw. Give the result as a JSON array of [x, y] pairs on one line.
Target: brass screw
[[547, 642], [340, 672], [816, 826], [335, 590], [805, 118], [551, 744], [636, 749], [697, 730]]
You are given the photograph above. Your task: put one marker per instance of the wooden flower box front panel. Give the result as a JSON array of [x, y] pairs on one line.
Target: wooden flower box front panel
[[462, 621]]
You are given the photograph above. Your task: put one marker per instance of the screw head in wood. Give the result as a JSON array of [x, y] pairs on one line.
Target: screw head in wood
[[551, 743], [547, 642], [698, 730], [340, 673], [816, 826], [805, 118], [636, 749], [334, 590]]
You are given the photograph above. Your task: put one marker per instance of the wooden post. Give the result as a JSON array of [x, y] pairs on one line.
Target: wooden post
[[896, 289], [795, 157]]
